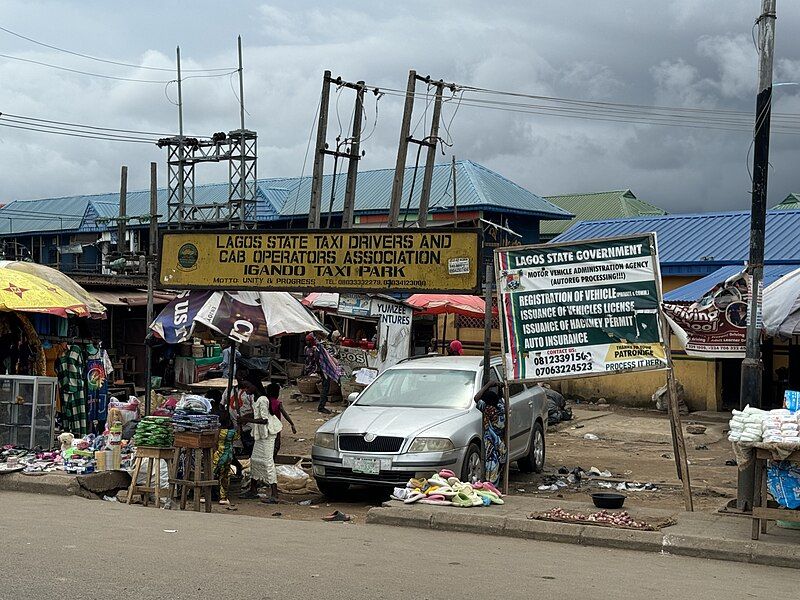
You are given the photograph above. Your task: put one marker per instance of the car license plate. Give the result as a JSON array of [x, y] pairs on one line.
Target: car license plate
[[367, 466]]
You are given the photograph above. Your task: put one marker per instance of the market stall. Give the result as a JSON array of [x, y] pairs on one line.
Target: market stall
[[249, 320], [771, 439], [38, 358]]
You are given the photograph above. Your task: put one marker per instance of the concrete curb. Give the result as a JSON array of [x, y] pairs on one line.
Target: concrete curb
[[49, 483], [755, 552]]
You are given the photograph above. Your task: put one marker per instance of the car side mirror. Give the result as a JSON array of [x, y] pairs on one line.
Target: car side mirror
[[352, 397]]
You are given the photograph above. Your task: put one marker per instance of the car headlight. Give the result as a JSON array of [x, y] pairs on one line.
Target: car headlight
[[422, 444], [325, 440]]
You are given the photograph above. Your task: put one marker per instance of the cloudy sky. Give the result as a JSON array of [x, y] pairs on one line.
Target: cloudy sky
[[677, 53]]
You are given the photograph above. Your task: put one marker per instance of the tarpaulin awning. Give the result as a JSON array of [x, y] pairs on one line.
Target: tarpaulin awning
[[693, 291], [453, 304], [781, 306], [244, 317], [129, 297]]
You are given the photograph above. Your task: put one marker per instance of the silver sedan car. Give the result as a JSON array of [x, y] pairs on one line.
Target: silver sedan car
[[419, 417]]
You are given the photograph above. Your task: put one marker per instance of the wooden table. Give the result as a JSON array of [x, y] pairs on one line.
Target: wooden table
[[155, 456], [193, 454], [762, 511]]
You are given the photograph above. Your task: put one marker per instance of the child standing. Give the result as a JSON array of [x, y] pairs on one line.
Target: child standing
[[276, 408], [223, 456]]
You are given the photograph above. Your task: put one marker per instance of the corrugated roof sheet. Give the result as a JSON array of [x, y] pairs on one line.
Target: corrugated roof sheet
[[50, 214], [598, 206], [476, 186], [281, 197], [704, 241], [791, 202], [695, 290]]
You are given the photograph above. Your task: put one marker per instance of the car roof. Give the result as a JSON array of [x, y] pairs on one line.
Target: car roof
[[471, 363]]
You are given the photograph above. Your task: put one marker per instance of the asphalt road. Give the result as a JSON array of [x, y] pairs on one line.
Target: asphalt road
[[56, 548]]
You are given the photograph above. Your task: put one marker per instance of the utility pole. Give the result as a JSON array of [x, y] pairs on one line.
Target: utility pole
[[751, 365], [402, 152], [432, 142], [123, 210], [242, 149], [355, 156], [181, 148], [319, 155], [151, 257], [455, 195]]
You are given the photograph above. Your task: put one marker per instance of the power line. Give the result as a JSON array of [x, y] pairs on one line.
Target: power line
[[49, 121], [103, 76], [78, 71], [81, 135], [106, 60], [705, 122]]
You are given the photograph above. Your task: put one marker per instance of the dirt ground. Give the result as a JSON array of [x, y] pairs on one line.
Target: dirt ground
[[634, 445]]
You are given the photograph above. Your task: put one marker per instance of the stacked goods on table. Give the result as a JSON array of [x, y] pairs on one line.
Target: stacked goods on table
[[746, 425], [445, 489], [780, 426], [194, 423], [192, 415], [154, 432]]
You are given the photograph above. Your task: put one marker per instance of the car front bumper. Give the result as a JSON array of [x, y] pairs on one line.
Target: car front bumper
[[395, 469]]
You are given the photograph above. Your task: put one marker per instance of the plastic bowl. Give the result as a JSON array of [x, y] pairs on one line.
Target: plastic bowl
[[608, 500]]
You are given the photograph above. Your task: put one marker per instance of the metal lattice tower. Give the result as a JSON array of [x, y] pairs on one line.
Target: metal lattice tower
[[239, 149]]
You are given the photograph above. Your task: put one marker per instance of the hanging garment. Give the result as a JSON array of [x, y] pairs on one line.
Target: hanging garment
[[98, 371], [72, 385]]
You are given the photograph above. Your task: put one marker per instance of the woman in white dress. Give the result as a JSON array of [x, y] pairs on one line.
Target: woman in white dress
[[266, 427]]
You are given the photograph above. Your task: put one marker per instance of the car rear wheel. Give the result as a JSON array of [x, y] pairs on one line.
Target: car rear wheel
[[472, 469], [533, 462], [333, 490]]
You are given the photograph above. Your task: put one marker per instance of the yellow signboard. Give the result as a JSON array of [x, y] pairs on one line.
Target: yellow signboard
[[361, 260]]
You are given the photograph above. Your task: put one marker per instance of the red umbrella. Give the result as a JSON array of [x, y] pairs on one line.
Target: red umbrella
[[453, 304]]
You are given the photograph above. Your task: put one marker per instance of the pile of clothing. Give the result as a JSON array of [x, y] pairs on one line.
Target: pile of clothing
[[194, 423], [746, 425], [445, 489], [780, 426], [154, 432]]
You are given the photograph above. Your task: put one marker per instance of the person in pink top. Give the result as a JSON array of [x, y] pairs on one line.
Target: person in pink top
[[276, 408], [455, 349]]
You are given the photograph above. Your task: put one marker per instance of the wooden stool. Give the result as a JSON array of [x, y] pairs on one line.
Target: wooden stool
[[153, 469], [192, 455]]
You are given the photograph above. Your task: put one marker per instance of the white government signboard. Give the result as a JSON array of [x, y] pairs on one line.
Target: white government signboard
[[577, 309]]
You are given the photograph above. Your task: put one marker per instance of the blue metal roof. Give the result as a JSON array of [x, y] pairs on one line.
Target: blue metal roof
[[701, 243], [281, 197], [696, 289], [47, 215], [477, 188]]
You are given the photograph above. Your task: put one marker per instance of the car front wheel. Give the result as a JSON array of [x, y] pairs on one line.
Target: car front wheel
[[533, 462], [472, 469]]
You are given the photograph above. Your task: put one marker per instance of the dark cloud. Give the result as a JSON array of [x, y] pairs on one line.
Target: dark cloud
[[675, 53]]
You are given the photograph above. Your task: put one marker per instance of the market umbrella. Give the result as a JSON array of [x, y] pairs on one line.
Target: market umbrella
[[780, 306], [62, 281], [449, 304], [320, 300], [244, 317], [21, 291]]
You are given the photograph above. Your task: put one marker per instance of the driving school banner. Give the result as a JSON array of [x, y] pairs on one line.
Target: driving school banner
[[362, 260], [580, 308], [716, 325]]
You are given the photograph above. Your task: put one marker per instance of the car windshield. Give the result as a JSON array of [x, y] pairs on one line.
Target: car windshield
[[421, 388]]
